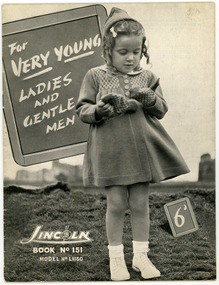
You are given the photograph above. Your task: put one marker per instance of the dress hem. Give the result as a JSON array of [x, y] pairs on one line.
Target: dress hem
[[127, 180]]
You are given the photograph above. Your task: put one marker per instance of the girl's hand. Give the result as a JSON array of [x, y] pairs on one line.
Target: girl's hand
[[133, 106], [103, 109]]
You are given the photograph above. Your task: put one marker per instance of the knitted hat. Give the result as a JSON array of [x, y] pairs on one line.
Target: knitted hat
[[116, 15]]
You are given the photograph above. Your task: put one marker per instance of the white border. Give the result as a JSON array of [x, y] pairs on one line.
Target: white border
[[1, 195]]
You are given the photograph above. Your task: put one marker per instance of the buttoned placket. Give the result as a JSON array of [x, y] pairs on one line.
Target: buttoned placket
[[126, 84]]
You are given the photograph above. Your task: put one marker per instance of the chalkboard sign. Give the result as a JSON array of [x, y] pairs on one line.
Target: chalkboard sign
[[181, 217], [44, 61]]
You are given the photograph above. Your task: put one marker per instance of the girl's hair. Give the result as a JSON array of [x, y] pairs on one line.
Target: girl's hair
[[123, 27]]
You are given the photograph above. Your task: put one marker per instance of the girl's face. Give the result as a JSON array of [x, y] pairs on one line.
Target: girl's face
[[127, 53]]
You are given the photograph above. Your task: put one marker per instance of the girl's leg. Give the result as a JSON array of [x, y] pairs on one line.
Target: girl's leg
[[117, 204], [139, 207]]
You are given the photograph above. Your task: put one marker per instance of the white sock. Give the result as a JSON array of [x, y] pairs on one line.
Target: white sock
[[116, 250], [140, 246]]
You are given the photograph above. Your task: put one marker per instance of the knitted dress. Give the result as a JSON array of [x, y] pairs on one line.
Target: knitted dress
[[131, 147]]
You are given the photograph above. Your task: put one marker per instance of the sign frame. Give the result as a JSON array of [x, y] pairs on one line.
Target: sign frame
[[170, 220], [27, 25]]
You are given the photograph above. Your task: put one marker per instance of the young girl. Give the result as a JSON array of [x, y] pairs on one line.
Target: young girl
[[127, 146]]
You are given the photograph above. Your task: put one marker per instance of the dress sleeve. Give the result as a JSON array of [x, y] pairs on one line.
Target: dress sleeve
[[160, 107], [86, 104]]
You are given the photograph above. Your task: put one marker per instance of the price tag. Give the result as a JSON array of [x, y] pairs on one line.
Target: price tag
[[181, 217]]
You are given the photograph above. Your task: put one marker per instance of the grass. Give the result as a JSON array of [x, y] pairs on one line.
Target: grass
[[189, 257]]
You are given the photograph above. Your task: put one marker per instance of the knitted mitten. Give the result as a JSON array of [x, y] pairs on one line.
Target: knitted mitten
[[120, 103], [146, 96]]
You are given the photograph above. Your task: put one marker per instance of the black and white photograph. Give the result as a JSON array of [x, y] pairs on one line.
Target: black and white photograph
[[108, 139]]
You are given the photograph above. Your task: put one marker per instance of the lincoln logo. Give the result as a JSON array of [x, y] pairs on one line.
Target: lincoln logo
[[57, 237]]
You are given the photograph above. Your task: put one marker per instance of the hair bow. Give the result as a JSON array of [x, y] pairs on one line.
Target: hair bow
[[113, 32]]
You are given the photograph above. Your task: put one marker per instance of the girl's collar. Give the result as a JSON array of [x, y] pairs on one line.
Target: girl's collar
[[110, 70]]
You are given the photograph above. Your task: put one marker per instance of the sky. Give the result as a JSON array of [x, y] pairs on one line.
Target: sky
[[181, 40]]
